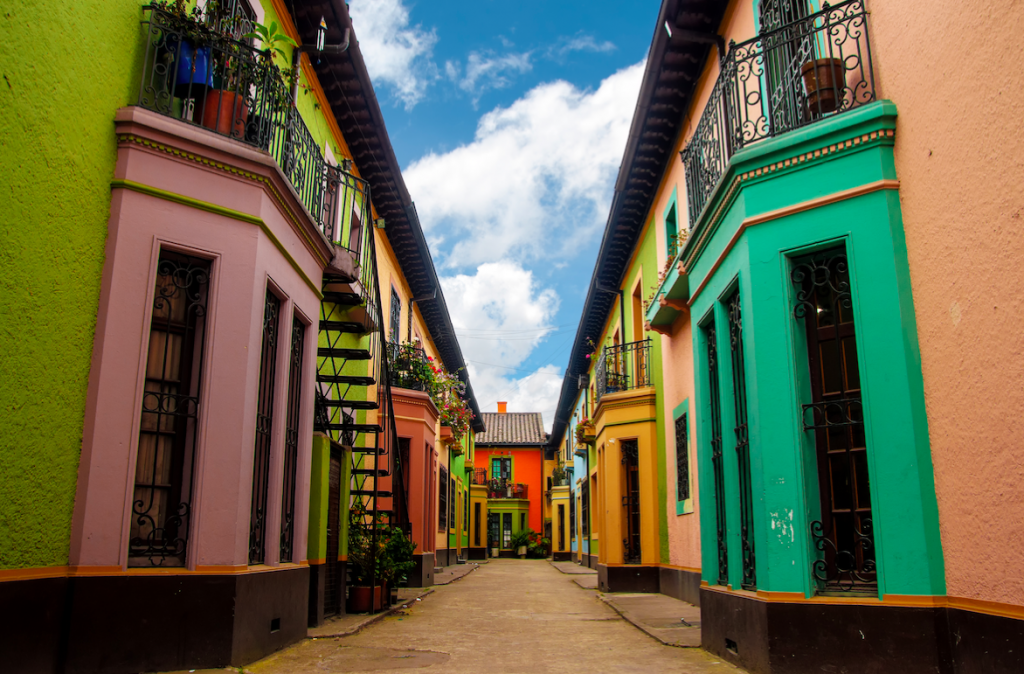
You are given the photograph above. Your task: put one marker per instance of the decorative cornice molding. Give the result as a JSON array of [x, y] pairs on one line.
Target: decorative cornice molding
[[264, 181]]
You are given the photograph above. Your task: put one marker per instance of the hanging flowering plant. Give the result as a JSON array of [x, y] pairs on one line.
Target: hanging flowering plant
[[447, 393]]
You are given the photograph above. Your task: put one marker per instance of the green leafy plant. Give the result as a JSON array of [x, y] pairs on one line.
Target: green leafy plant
[[387, 561], [522, 538], [274, 40]]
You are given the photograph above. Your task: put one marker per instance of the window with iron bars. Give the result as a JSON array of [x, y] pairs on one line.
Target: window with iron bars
[[442, 503], [161, 503]]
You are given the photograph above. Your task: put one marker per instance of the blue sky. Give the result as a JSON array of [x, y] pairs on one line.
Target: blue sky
[[509, 121]]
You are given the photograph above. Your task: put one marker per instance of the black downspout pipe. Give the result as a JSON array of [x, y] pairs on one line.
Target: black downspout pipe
[[332, 49]]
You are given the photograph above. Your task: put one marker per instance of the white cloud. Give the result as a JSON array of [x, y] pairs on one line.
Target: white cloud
[[536, 181], [579, 42], [396, 53], [501, 315], [487, 70]]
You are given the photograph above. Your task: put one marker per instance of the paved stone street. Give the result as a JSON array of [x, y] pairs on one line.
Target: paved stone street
[[507, 616]]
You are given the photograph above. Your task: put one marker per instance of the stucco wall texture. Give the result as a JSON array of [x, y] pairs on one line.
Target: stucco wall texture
[[954, 72], [60, 83]]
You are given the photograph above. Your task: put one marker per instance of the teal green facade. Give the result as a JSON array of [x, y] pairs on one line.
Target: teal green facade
[[832, 183]]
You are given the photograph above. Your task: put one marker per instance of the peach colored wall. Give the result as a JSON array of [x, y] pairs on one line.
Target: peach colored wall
[[416, 418], [954, 71], [245, 261]]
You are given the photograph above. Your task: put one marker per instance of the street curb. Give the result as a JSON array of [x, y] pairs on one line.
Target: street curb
[[639, 626], [374, 618]]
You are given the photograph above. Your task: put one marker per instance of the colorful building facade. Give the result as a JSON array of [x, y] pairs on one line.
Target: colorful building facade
[[508, 469], [227, 393], [808, 293]]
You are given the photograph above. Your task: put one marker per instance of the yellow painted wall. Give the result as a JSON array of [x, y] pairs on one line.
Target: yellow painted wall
[[622, 416]]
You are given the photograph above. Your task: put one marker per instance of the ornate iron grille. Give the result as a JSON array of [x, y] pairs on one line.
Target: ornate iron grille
[[334, 586], [790, 75], [442, 508], [682, 459], [452, 503], [291, 439], [208, 75], [161, 504], [631, 500], [506, 530], [843, 537], [561, 526], [264, 419], [585, 507], [739, 392], [409, 366], [717, 459], [476, 524], [493, 529], [624, 367]]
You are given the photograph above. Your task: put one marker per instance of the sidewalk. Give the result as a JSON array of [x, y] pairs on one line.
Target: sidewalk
[[452, 573], [572, 568], [345, 625], [670, 621]]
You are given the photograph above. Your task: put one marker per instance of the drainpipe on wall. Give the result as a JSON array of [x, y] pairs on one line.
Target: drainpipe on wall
[[332, 49]]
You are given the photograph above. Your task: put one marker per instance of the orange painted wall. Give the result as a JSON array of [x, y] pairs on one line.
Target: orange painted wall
[[526, 465]]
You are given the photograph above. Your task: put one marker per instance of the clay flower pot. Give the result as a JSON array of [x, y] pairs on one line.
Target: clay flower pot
[[226, 113], [359, 598], [824, 81]]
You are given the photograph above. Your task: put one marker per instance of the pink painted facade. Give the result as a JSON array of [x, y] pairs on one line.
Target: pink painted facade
[[171, 182]]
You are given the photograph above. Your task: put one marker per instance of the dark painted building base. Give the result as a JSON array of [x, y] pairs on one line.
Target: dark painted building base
[[680, 584], [476, 553], [630, 578], [572, 556], [317, 576], [589, 561], [446, 557], [127, 624], [561, 556], [792, 638], [422, 574]]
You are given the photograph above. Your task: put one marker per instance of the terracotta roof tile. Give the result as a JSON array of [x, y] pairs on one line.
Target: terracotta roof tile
[[512, 428]]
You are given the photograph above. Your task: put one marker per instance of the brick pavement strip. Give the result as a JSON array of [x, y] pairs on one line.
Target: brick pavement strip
[[508, 616]]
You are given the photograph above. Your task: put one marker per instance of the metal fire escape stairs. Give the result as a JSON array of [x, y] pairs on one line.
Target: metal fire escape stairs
[[353, 384]]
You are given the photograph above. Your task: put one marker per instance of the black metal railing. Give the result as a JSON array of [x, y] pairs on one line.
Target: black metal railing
[[781, 80], [504, 488], [409, 367], [624, 367], [201, 71]]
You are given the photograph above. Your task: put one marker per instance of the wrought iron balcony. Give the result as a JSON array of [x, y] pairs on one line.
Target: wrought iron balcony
[[480, 476], [787, 77], [409, 367], [199, 70], [623, 368], [503, 488]]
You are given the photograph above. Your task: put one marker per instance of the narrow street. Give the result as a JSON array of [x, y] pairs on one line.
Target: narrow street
[[507, 616]]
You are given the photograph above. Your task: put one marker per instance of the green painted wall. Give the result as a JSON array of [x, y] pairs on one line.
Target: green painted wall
[[784, 479], [65, 70]]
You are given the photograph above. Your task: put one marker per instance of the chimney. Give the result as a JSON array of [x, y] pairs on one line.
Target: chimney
[[502, 408]]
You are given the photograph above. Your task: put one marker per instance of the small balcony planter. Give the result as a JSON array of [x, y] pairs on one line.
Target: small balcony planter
[[226, 113], [824, 81]]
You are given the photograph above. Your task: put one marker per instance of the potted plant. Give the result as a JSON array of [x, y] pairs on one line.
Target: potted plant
[[494, 548], [382, 561], [585, 431], [521, 541], [538, 547], [824, 81]]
